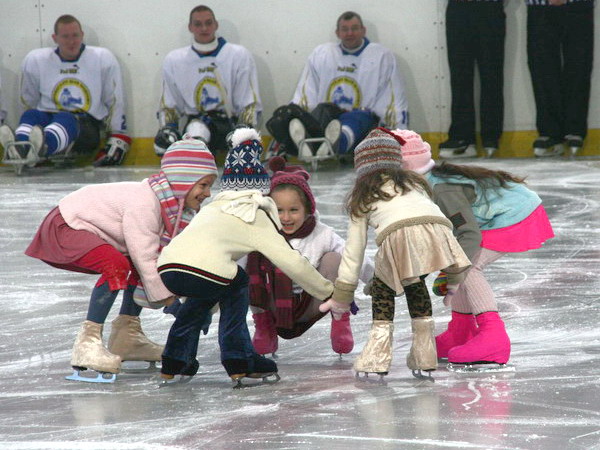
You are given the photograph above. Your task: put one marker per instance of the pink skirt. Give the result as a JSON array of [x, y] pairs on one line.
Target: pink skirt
[[528, 234], [59, 245]]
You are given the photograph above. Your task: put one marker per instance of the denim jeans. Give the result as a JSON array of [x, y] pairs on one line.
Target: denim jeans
[[233, 299]]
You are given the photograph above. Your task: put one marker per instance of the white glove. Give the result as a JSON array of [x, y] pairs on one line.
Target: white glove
[[452, 288], [114, 151], [336, 308]]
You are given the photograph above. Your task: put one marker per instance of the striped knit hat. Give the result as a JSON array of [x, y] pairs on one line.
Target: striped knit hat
[[416, 153], [185, 162], [243, 169], [380, 149]]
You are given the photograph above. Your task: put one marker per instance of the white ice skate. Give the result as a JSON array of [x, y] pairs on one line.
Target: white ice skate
[[547, 147], [127, 340], [575, 144], [90, 353], [457, 150], [376, 356]]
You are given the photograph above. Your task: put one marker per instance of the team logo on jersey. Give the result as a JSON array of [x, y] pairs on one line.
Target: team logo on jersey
[[208, 95], [72, 94], [344, 92]]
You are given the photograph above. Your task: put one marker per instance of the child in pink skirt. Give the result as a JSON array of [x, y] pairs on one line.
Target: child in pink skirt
[[117, 230], [493, 213]]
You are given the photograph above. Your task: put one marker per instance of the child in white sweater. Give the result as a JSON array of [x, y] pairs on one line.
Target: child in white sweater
[[413, 237], [201, 264]]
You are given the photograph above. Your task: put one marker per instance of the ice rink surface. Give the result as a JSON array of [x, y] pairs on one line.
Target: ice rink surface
[[549, 299]]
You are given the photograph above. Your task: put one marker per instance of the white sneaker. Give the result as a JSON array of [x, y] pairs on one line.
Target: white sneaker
[[469, 152], [298, 135], [7, 136], [332, 133], [36, 137]]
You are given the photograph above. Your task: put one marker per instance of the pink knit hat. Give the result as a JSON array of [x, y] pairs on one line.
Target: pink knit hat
[[416, 153], [185, 162], [296, 175]]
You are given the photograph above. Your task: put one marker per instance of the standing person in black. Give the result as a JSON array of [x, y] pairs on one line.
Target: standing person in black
[[475, 34], [560, 48]]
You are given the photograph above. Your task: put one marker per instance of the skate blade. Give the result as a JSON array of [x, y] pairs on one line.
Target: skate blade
[[375, 380], [101, 377], [418, 374], [480, 368], [265, 378], [132, 367], [178, 380], [552, 152]]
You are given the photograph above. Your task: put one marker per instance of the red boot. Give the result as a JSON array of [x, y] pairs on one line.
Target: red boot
[[461, 328], [490, 344], [341, 334], [265, 334]]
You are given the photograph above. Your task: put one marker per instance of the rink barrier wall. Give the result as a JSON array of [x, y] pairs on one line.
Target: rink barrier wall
[[514, 144]]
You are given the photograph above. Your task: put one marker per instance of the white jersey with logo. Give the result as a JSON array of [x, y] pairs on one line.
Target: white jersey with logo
[[367, 79], [91, 84], [224, 80]]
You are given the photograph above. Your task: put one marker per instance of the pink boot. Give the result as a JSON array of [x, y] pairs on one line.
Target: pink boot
[[490, 344], [461, 328], [265, 334], [341, 334]]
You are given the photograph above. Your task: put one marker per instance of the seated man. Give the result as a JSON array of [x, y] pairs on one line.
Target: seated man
[[209, 86], [357, 77], [69, 93]]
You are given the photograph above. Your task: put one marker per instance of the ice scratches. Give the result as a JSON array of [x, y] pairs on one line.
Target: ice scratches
[[356, 440], [88, 445]]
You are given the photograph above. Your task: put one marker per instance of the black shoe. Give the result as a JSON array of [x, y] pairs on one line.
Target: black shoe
[[256, 366], [191, 368], [172, 366], [545, 146], [453, 148]]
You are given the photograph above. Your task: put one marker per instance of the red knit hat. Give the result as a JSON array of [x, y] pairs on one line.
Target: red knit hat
[[296, 175]]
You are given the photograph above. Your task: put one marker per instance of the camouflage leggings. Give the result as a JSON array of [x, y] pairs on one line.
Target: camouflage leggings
[[417, 299]]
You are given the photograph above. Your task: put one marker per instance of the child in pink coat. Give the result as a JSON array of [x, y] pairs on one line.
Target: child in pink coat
[[117, 230]]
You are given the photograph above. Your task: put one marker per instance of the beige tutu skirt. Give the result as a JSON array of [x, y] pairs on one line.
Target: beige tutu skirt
[[415, 250]]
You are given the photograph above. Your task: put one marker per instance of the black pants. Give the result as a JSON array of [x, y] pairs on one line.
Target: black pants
[[475, 34], [560, 48]]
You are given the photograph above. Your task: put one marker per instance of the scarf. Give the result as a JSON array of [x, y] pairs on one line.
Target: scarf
[[175, 218], [268, 284]]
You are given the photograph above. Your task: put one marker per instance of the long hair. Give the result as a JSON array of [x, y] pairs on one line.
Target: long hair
[[485, 178], [368, 189]]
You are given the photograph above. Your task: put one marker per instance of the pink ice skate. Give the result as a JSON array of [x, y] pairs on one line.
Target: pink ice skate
[[341, 335], [488, 351], [265, 334], [461, 328]]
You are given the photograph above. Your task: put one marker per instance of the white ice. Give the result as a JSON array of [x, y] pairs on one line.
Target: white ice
[[547, 297]]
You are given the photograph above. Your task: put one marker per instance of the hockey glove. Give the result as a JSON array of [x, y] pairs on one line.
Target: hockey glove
[[164, 138], [114, 151], [440, 285], [336, 308]]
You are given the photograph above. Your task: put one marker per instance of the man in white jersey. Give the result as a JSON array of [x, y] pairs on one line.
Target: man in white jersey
[[209, 87], [69, 93], [358, 76]]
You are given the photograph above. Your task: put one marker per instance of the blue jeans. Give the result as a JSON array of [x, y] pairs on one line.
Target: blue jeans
[[233, 299]]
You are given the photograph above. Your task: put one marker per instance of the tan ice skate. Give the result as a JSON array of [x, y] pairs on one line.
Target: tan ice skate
[[129, 342], [423, 354], [90, 353], [376, 356]]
